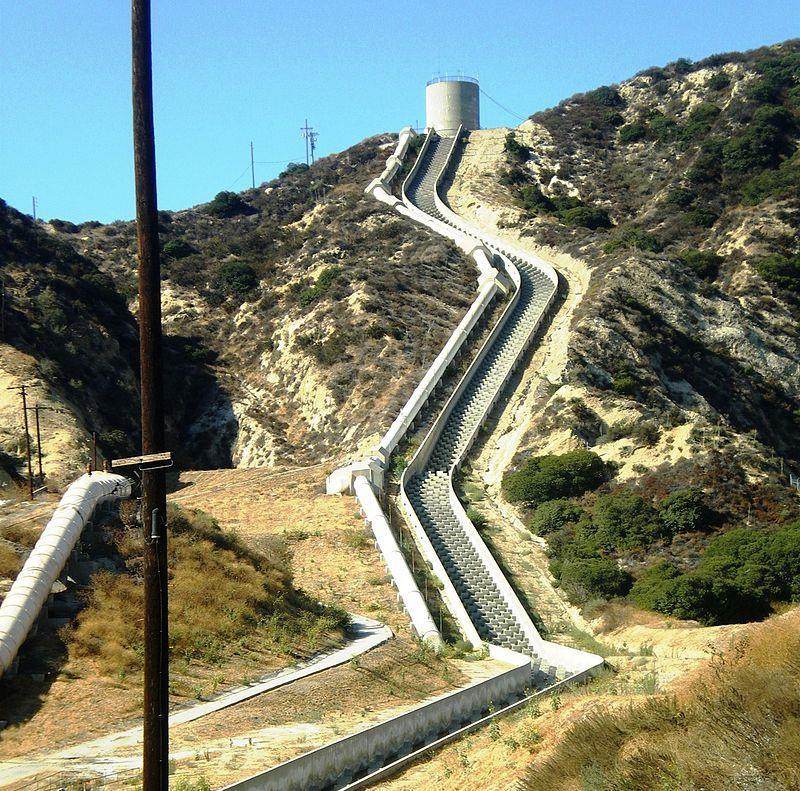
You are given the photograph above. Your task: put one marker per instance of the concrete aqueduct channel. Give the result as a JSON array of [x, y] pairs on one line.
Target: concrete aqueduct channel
[[429, 486]]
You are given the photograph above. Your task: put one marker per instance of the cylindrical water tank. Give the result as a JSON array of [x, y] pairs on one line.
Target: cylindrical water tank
[[451, 102]]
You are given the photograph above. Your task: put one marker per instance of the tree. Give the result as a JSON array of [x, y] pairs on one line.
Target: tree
[[178, 248], [235, 278], [704, 263], [598, 576], [624, 520], [228, 204], [545, 478], [592, 217], [294, 167], [781, 271], [553, 515], [631, 133], [606, 96], [684, 510], [516, 151]]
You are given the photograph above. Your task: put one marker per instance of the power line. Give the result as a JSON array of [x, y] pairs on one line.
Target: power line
[[239, 176], [503, 107]]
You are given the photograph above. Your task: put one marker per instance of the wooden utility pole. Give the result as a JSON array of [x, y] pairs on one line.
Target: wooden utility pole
[[2, 308], [23, 389], [155, 769], [36, 410], [94, 450], [252, 165]]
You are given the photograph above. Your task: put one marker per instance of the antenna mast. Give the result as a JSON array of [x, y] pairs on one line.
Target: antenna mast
[[311, 140]]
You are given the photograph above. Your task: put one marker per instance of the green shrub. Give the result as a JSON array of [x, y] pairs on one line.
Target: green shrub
[[700, 120], [228, 204], [52, 315], [740, 574], [624, 520], [630, 133], [757, 146], [116, 443], [684, 510], [534, 200], [643, 431], [592, 217], [321, 287], [707, 166], [178, 248], [781, 183], [681, 197], [606, 96], [702, 217], [554, 515], [545, 478], [587, 578], [681, 66], [476, 517], [718, 81], [704, 263], [65, 226], [294, 167], [662, 128], [781, 271], [624, 384], [235, 278], [516, 151], [634, 239]]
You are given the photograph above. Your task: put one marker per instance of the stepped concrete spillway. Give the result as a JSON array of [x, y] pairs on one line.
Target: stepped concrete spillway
[[429, 489]]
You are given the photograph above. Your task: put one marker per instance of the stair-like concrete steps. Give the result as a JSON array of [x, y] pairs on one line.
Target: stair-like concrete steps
[[429, 491]]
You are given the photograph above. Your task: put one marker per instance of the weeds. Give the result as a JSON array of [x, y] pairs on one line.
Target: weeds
[[223, 596], [737, 719]]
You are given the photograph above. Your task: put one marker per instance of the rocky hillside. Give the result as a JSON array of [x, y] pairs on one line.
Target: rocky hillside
[[299, 317], [669, 204]]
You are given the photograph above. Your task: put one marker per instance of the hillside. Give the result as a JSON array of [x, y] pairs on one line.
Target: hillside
[[674, 357], [298, 318]]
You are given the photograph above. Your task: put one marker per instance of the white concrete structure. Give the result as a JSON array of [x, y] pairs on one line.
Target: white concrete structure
[[30, 590], [402, 578], [444, 533], [337, 764], [452, 103]]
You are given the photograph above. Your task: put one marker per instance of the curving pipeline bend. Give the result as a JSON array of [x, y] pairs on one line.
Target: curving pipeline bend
[[22, 605]]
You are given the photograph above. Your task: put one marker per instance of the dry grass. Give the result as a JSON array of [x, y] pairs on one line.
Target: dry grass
[[26, 535], [736, 724], [10, 563], [224, 597]]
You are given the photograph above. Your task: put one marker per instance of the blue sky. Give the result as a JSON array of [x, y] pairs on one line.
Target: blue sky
[[234, 71]]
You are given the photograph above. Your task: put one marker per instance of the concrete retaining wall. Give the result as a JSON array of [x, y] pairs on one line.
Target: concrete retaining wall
[[338, 763], [407, 588], [490, 283]]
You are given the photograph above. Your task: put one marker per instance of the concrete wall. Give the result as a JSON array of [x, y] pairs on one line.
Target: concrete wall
[[407, 588], [573, 662], [341, 761], [451, 102], [490, 283]]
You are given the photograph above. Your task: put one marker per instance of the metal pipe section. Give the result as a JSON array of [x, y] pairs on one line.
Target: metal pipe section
[[30, 590], [407, 588]]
